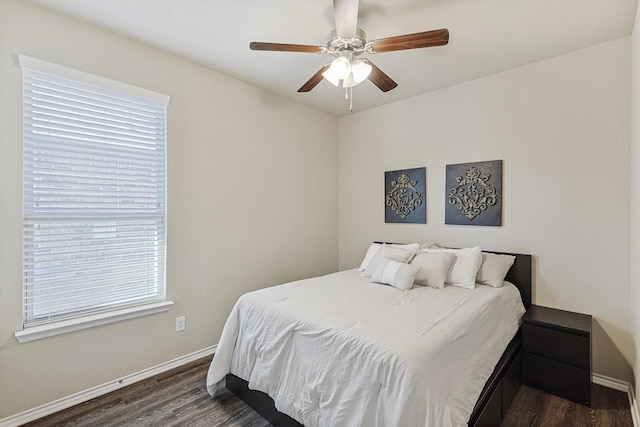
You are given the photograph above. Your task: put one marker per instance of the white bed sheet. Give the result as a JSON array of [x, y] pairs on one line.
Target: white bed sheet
[[338, 350]]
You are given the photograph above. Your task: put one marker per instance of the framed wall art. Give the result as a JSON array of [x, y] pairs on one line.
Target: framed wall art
[[474, 193], [404, 196]]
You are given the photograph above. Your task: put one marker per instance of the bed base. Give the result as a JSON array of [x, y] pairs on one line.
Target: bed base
[[501, 387], [496, 396], [259, 402]]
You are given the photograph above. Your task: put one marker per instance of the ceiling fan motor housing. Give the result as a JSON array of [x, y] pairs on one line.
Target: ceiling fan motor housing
[[336, 45]]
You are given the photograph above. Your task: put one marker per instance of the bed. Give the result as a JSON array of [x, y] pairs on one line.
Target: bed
[[339, 350]]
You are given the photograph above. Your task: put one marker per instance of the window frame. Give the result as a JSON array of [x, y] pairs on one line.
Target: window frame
[[115, 312]]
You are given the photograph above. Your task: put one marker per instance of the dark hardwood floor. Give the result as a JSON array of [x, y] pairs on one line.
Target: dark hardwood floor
[[533, 408], [179, 398]]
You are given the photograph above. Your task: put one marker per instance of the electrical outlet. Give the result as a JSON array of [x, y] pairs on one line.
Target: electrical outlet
[[180, 323]]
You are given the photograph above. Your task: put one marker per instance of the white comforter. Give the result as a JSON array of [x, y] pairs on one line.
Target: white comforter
[[339, 351]]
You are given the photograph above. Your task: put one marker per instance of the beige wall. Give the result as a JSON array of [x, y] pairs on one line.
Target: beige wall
[[252, 202], [635, 193], [561, 127]]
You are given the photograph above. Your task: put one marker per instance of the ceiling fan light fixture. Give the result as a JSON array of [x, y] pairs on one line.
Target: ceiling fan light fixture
[[339, 69]]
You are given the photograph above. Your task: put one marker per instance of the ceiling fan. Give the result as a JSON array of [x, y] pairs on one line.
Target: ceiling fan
[[347, 42]]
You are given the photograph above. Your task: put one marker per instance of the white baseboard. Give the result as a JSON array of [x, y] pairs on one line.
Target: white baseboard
[[623, 386], [93, 392], [634, 407], [613, 383]]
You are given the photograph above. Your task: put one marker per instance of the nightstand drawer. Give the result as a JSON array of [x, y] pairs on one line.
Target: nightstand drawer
[[562, 380], [557, 345]]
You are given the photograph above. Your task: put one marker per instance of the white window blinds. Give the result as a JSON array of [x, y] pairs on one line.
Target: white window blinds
[[94, 206]]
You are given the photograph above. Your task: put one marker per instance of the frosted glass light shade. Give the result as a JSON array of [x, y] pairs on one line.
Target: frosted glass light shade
[[339, 69], [360, 71]]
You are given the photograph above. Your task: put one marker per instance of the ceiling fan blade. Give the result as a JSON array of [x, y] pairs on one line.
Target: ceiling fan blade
[[411, 41], [380, 78], [284, 47], [314, 80], [346, 14]]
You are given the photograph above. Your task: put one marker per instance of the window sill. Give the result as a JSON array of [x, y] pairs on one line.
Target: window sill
[[65, 326]]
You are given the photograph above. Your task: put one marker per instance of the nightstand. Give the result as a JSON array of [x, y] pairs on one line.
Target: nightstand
[[556, 356]]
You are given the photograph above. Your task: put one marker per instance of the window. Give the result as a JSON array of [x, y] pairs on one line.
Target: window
[[94, 205]]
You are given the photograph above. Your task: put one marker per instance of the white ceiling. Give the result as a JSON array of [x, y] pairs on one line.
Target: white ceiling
[[486, 37]]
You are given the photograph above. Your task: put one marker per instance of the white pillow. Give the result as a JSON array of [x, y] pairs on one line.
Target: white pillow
[[465, 266], [494, 268], [371, 252], [386, 251], [434, 267], [374, 247], [397, 274]]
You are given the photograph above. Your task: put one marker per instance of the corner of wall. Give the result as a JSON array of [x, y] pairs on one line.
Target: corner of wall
[[635, 199]]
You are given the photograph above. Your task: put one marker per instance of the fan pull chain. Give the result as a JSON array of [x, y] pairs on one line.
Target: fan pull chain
[[348, 95], [351, 103]]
